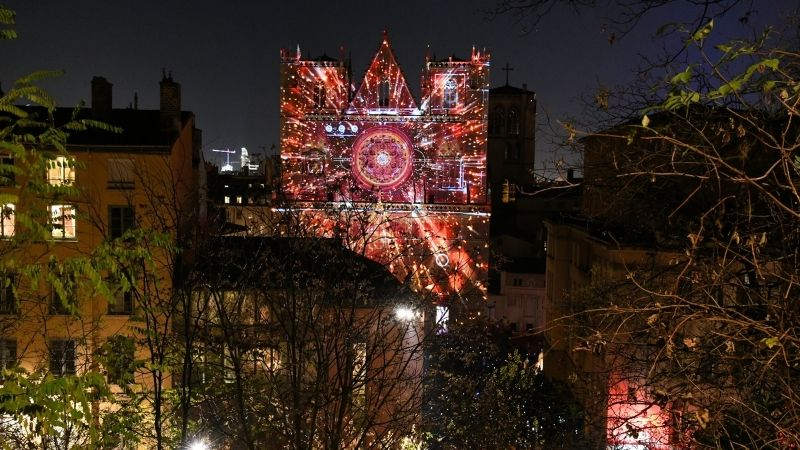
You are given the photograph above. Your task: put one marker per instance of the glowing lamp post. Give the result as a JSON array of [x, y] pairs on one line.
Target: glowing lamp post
[[198, 444], [405, 314]]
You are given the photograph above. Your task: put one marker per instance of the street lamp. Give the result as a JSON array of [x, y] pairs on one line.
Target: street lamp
[[405, 313], [198, 444]]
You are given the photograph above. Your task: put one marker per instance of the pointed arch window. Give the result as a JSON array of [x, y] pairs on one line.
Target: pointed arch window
[[383, 94], [497, 121], [513, 121], [319, 96], [450, 94]]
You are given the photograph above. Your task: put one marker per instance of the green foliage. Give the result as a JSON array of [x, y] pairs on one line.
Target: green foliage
[[480, 395], [7, 20], [57, 412]]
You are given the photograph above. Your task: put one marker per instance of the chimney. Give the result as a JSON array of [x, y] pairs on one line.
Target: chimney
[[170, 107], [101, 99]]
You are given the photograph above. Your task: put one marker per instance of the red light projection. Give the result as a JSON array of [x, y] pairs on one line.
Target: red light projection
[[382, 158], [419, 168], [634, 421]]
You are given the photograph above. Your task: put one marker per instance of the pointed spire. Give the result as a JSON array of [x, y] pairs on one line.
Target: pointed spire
[[297, 55]]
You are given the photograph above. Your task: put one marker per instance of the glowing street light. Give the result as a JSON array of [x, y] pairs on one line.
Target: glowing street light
[[198, 444], [405, 313]]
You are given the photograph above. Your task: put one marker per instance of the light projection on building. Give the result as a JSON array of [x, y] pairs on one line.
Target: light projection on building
[[417, 169]]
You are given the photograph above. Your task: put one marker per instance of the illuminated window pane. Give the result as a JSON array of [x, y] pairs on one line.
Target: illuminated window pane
[[61, 171], [62, 221], [7, 222], [442, 317], [450, 97], [359, 372]]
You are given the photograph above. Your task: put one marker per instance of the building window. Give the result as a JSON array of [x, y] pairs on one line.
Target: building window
[[62, 357], [8, 353], [442, 318], [359, 373], [7, 176], [121, 304], [121, 174], [63, 300], [120, 220], [226, 200], [61, 171], [507, 153], [513, 121], [7, 222], [529, 328], [450, 95], [8, 293], [497, 121], [320, 96], [383, 94], [119, 359], [62, 221]]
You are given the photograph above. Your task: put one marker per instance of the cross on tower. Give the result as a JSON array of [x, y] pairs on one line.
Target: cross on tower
[[507, 68]]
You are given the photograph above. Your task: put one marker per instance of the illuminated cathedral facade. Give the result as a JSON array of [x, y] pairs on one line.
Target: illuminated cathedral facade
[[414, 171]]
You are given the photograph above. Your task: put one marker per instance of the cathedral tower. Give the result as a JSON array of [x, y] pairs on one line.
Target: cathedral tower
[[418, 168]]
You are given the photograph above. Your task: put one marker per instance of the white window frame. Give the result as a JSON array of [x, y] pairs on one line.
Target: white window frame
[[65, 217], [7, 220], [61, 171]]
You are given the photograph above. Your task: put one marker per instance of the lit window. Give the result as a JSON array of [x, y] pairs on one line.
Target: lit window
[[450, 96], [62, 221], [62, 357], [239, 199], [227, 200], [7, 214], [120, 174], [359, 372], [8, 294], [61, 171], [120, 220], [442, 317], [8, 353]]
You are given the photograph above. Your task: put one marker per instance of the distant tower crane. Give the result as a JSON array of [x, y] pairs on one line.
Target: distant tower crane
[[227, 167]]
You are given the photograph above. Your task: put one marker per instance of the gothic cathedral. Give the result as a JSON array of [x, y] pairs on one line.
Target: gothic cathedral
[[414, 172]]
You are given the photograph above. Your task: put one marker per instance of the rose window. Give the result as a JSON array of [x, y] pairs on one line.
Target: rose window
[[382, 158]]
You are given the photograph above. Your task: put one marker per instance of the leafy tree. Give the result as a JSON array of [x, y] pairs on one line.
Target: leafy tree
[[479, 394], [38, 409], [707, 174]]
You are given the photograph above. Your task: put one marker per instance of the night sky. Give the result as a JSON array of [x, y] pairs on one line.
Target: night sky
[[226, 54]]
